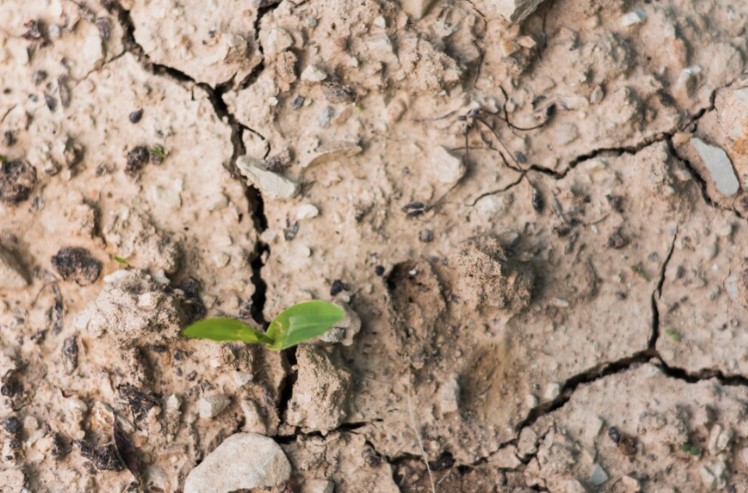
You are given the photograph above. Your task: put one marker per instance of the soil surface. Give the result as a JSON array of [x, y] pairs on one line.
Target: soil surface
[[534, 219]]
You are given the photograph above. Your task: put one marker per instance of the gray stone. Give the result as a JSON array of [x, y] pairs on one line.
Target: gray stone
[[242, 462], [719, 166], [516, 10], [269, 183], [12, 274], [211, 406], [598, 476]]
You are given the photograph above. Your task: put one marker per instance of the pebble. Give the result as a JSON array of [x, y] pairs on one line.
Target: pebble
[[242, 378], [173, 403], [253, 421], [318, 486], [719, 166], [416, 9], [270, 184], [552, 390], [712, 475], [278, 40], [719, 439], [306, 211], [598, 475], [12, 273], [450, 168], [631, 484], [313, 74], [449, 396], [597, 95], [517, 10], [333, 152], [241, 462], [638, 16], [211, 406], [687, 80]]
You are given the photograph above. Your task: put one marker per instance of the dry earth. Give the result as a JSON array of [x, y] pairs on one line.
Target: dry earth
[[538, 224]]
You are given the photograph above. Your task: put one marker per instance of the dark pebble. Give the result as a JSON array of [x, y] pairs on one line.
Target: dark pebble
[[135, 116], [616, 240], [338, 93], [77, 264], [17, 179], [614, 434], [297, 102], [12, 425], [136, 159], [379, 270], [338, 286], [426, 236]]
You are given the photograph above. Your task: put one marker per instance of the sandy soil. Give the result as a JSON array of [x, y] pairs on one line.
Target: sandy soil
[[535, 226]]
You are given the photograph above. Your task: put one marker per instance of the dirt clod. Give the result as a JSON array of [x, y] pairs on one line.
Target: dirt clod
[[137, 158], [17, 179], [77, 264]]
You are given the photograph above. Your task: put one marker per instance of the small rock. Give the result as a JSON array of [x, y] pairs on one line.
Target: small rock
[[449, 168], [719, 166], [712, 475], [312, 73], [687, 81], [719, 439], [77, 264], [306, 211], [173, 403], [137, 158], [449, 396], [133, 306], [333, 152], [135, 116], [631, 485], [262, 465], [416, 9], [12, 273], [597, 95], [598, 475], [253, 421], [242, 378], [17, 179], [320, 395], [426, 236], [552, 390], [516, 10], [270, 184], [638, 16], [318, 486], [277, 41], [345, 330], [211, 406]]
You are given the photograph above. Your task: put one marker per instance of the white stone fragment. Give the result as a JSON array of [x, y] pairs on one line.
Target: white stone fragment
[[333, 152], [277, 41], [449, 396], [638, 16], [242, 462], [416, 9], [687, 81], [516, 10], [719, 166], [552, 390], [313, 74], [306, 211], [449, 168], [598, 475], [211, 406], [270, 184]]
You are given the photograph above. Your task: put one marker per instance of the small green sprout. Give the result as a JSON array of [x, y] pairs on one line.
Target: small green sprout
[[121, 261], [294, 325], [690, 449], [673, 334], [639, 270], [158, 152]]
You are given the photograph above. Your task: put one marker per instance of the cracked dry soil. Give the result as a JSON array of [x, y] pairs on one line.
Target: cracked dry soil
[[547, 270]]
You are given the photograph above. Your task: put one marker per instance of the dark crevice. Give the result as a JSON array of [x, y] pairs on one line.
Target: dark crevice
[[286, 386], [344, 428]]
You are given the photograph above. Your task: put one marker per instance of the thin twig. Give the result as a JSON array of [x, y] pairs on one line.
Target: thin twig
[[420, 443]]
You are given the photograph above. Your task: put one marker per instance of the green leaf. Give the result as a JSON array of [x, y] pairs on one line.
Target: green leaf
[[120, 260], [673, 334], [302, 322], [225, 329]]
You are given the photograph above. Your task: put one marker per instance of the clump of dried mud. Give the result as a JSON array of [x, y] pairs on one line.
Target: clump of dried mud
[[534, 218]]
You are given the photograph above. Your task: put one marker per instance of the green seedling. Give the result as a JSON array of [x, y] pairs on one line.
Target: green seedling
[[294, 325], [121, 261], [675, 336], [639, 270], [690, 449], [159, 152]]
